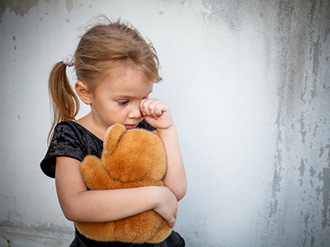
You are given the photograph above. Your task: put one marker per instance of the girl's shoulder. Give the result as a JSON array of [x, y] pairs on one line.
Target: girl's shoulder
[[69, 134], [70, 139], [72, 129]]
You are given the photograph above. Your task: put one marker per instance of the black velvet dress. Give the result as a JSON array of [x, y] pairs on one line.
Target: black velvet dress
[[72, 140]]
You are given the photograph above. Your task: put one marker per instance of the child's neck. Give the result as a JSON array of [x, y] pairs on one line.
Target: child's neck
[[89, 123]]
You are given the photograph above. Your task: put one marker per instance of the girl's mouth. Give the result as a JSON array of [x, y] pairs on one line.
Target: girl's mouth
[[130, 126]]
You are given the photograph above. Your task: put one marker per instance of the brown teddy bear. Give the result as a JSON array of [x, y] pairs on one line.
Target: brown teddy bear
[[130, 158]]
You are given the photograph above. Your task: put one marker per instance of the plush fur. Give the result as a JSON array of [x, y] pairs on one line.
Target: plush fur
[[130, 158]]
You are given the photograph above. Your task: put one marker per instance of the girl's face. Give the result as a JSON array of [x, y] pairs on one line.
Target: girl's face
[[117, 99]]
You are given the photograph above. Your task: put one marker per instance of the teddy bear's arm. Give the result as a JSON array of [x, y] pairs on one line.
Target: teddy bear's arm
[[94, 174]]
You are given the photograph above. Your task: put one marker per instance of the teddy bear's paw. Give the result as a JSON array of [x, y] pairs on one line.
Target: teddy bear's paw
[[94, 174]]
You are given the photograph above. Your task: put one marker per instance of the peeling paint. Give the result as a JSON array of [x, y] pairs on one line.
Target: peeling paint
[[326, 196], [227, 11], [302, 127], [18, 6], [301, 171], [312, 172], [301, 124]]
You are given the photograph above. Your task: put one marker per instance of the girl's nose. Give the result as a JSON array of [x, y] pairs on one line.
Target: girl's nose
[[135, 112]]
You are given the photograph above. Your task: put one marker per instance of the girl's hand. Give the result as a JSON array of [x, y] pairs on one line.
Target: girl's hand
[[167, 205], [156, 113]]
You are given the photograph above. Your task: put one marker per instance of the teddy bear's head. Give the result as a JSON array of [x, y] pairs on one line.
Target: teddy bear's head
[[133, 155]]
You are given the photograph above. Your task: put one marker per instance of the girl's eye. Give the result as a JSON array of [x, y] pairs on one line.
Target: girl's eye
[[122, 102]]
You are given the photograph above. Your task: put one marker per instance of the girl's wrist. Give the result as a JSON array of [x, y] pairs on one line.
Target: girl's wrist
[[157, 196], [168, 132]]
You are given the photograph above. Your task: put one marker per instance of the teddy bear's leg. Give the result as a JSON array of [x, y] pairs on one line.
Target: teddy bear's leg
[[94, 174], [127, 229]]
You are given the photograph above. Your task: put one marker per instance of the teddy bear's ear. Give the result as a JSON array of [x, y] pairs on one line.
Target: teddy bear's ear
[[112, 137]]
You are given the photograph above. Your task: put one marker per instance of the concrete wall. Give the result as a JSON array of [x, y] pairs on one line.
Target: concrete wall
[[249, 87]]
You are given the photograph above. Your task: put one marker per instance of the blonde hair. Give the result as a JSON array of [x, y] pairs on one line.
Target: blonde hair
[[102, 49]]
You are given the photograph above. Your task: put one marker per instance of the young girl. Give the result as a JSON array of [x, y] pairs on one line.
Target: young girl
[[116, 69]]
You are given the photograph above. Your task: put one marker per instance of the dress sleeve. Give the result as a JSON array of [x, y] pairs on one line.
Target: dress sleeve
[[65, 143]]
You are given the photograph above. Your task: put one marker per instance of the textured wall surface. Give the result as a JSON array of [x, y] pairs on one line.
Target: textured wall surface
[[248, 83]]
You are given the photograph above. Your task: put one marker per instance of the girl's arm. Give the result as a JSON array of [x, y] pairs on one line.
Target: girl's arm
[[157, 114], [82, 205], [175, 177]]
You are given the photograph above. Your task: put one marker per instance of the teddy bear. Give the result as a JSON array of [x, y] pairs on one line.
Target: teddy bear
[[130, 158]]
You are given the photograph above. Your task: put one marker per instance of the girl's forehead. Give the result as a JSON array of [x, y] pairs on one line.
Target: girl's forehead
[[132, 95], [129, 83]]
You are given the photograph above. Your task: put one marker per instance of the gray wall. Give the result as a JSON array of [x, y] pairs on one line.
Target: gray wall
[[249, 87]]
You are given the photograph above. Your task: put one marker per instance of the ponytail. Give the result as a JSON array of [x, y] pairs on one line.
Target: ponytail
[[65, 102]]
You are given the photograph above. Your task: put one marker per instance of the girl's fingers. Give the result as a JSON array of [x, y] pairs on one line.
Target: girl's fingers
[[152, 107], [156, 113], [144, 107]]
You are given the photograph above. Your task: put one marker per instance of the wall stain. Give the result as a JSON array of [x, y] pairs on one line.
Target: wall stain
[[284, 27], [302, 127], [326, 197], [228, 11], [301, 124], [18, 6], [69, 5], [301, 172], [312, 172], [316, 52]]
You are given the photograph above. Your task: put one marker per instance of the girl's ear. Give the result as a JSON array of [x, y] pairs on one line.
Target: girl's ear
[[83, 92]]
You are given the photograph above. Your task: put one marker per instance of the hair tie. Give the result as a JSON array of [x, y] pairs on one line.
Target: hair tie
[[68, 60]]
